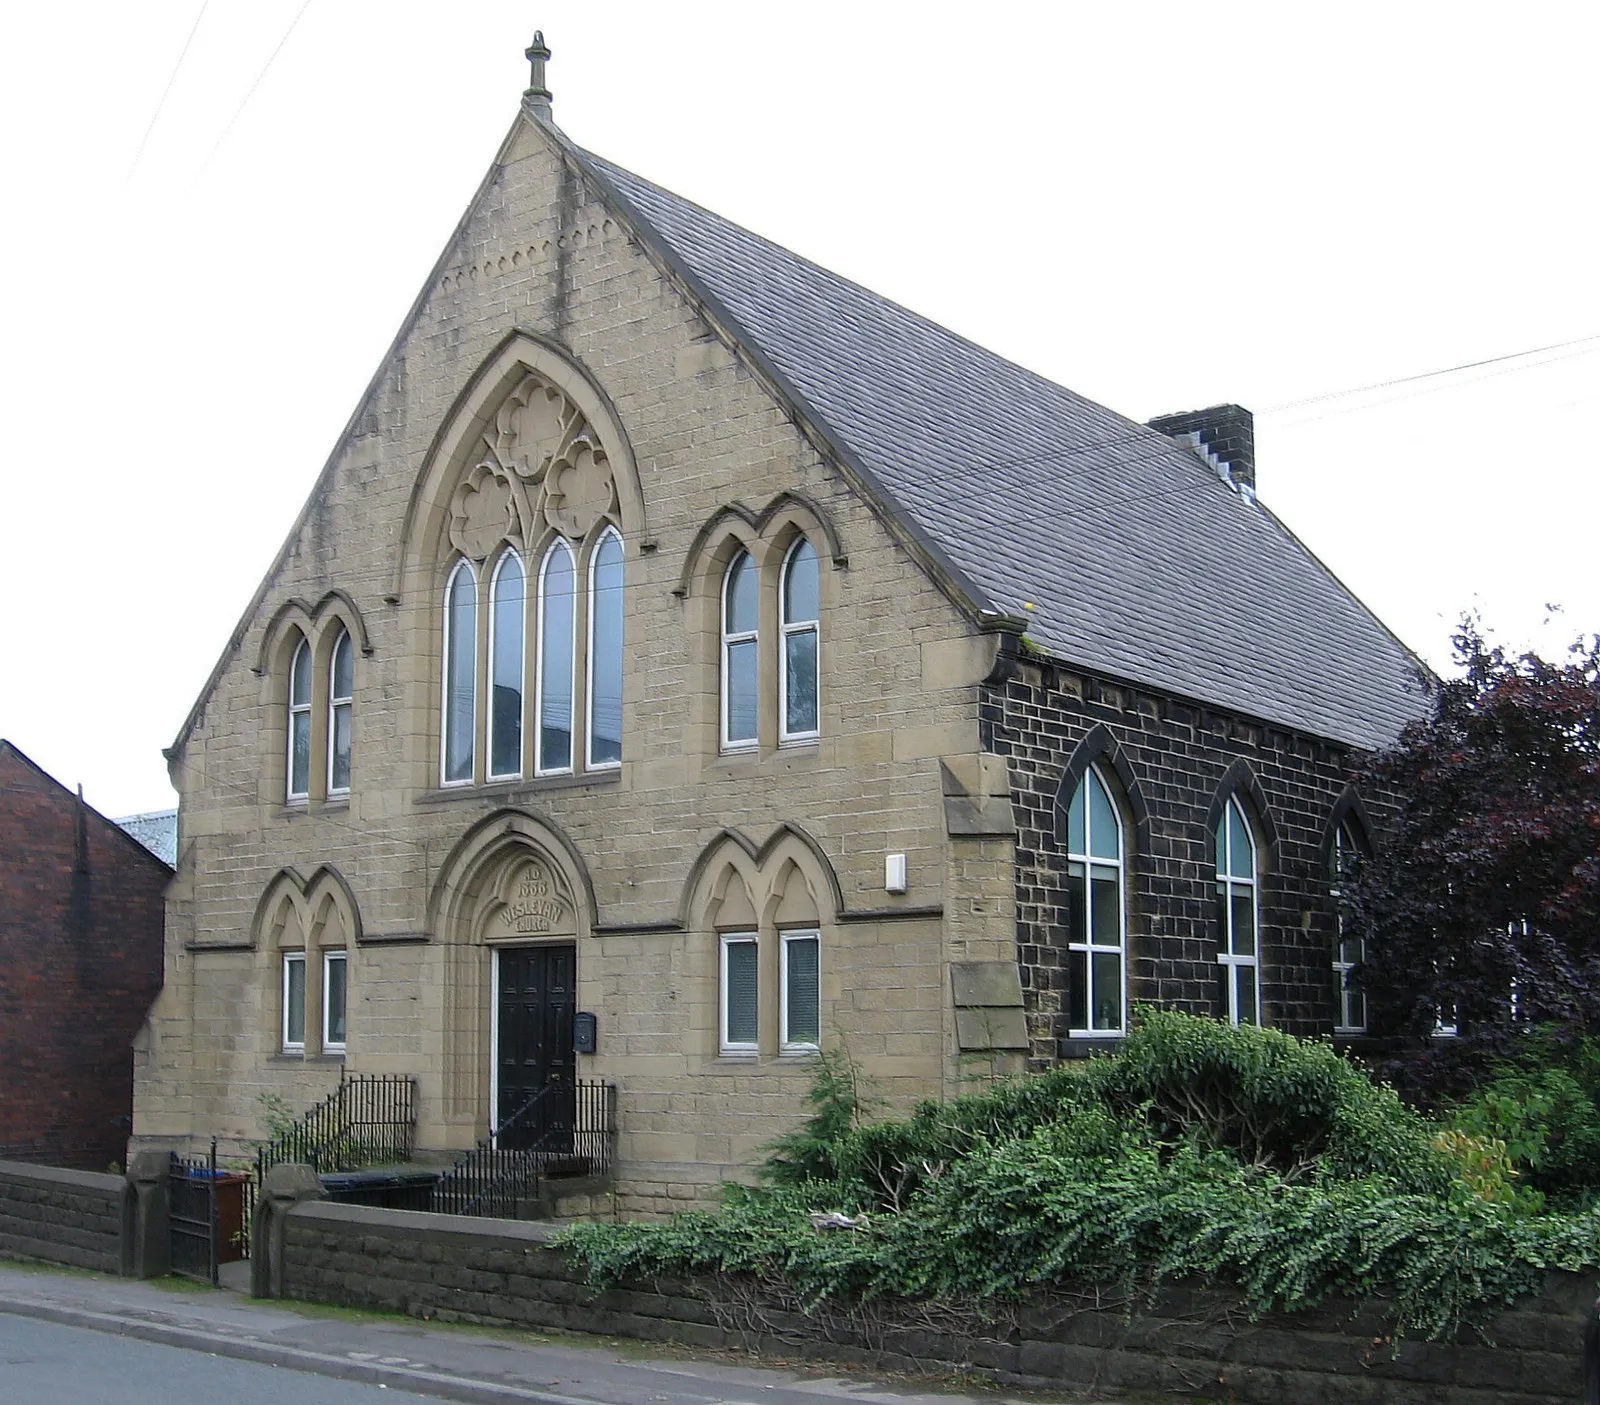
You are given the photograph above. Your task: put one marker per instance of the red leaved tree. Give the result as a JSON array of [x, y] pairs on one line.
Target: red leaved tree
[[1482, 905]]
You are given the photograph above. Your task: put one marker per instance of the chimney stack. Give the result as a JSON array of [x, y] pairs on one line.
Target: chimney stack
[[1223, 435]]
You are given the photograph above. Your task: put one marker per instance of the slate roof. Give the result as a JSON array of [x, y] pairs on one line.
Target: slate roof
[[157, 830], [1138, 560]]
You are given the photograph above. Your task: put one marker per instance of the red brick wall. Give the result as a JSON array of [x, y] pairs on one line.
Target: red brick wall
[[80, 962]]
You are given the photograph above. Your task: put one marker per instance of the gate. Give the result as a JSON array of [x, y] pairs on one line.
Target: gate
[[206, 1211], [192, 1212]]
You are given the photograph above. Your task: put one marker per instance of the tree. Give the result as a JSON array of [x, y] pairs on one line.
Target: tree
[[1482, 905]]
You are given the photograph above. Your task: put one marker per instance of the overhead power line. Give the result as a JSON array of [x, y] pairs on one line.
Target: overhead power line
[[166, 92], [251, 92], [1427, 375]]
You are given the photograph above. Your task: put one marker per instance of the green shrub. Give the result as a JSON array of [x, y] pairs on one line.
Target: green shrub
[[1237, 1156], [1548, 1123]]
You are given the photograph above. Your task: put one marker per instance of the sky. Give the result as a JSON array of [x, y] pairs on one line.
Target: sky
[[217, 213]]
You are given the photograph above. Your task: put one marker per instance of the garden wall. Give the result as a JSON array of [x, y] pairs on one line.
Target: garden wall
[[503, 1272], [49, 1215]]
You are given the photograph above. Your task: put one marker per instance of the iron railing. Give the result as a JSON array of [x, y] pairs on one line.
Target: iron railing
[[565, 1129], [368, 1120]]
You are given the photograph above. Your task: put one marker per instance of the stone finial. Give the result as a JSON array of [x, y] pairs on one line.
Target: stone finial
[[537, 96]]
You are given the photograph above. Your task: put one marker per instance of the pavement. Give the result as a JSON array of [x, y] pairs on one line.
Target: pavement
[[491, 1366]]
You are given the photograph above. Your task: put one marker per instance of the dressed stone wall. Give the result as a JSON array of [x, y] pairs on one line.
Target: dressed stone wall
[[1171, 764], [397, 872], [1187, 1341], [54, 1216]]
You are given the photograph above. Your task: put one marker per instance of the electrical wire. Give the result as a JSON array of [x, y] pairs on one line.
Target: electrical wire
[[166, 92], [1427, 375], [245, 101]]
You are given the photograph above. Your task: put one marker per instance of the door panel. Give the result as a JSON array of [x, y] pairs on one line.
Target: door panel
[[536, 999]]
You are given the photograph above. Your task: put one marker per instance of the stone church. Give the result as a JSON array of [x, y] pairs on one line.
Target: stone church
[[688, 646]]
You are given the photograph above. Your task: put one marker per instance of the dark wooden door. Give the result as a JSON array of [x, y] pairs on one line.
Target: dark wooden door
[[536, 995]]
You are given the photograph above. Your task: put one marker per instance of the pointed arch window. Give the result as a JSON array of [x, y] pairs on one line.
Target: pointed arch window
[[460, 674], [1351, 947], [1097, 980], [299, 767], [294, 1001], [799, 612], [558, 618], [1237, 912], [507, 630], [741, 604], [605, 651], [341, 714]]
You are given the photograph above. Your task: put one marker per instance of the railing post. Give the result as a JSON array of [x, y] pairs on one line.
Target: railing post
[[211, 1217]]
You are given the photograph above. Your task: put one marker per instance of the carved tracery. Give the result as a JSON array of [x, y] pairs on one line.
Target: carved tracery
[[542, 464]]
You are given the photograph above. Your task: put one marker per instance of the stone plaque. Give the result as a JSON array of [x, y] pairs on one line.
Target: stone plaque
[[534, 905]]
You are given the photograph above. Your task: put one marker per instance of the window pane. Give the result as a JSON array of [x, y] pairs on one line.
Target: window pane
[[1103, 839], [800, 678], [1355, 1009], [741, 683], [740, 992], [1078, 989], [343, 672], [605, 660], [294, 1000], [1244, 923], [558, 601], [1222, 843], [339, 749], [803, 1017], [505, 710], [333, 1000], [741, 615], [1350, 949], [1105, 909], [1245, 983], [300, 753], [1243, 856], [800, 586], [1076, 836], [461, 667], [1107, 990], [300, 677], [1077, 905]]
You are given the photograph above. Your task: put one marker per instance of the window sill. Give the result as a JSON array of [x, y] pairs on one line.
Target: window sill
[[757, 1063], [1079, 1046], [769, 761], [511, 791]]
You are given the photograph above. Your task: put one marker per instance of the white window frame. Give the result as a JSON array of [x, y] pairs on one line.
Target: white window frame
[[1089, 947], [724, 1044], [1344, 844], [347, 701], [785, 1044], [301, 654], [786, 628], [750, 636], [342, 957], [509, 554], [539, 768], [589, 660], [292, 1046], [444, 676], [1230, 960]]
